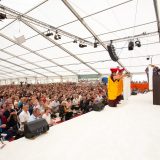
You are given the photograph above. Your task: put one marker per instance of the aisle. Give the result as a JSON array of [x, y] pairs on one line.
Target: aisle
[[129, 132]]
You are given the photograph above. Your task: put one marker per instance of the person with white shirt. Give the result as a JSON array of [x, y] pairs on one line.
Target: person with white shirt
[[54, 104], [24, 116], [47, 116], [35, 115]]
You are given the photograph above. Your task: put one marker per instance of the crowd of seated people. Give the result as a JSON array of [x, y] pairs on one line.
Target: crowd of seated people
[[139, 86], [20, 104]]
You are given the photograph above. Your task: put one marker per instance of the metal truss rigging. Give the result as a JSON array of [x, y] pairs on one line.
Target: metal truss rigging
[[88, 28]]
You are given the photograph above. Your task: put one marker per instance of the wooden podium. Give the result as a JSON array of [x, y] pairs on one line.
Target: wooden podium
[[156, 89]]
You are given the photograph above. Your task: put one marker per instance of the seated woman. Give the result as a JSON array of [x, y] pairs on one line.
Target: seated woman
[[47, 116], [67, 109]]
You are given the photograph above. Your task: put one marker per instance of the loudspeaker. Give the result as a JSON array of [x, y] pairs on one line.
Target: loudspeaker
[[35, 128], [112, 53], [98, 106]]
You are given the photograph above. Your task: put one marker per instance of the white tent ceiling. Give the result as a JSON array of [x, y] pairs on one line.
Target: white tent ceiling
[[41, 56]]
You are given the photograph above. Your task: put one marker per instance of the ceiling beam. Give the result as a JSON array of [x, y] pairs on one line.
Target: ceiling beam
[[24, 47], [143, 35], [61, 47], [11, 69], [28, 61], [22, 67], [88, 28], [157, 12], [43, 24], [5, 74], [24, 14]]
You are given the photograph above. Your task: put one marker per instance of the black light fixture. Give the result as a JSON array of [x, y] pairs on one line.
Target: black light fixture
[[57, 36], [130, 45], [82, 45], [138, 43], [3, 16], [148, 58], [75, 41], [49, 33], [95, 43]]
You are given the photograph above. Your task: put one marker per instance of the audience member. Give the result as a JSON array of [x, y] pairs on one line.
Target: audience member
[[20, 104]]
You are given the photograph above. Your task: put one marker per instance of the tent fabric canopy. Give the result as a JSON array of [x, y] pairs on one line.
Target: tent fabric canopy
[[42, 56]]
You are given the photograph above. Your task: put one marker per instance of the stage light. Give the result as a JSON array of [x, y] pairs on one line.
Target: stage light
[[95, 43], [131, 45], [57, 36], [3, 16], [148, 58], [49, 33], [75, 41], [138, 43], [81, 45]]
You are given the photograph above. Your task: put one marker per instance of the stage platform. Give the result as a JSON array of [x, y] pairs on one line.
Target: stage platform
[[129, 132]]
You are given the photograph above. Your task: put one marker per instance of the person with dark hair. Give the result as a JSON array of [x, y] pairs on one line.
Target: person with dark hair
[[67, 109], [3, 122], [11, 125], [47, 116], [35, 114]]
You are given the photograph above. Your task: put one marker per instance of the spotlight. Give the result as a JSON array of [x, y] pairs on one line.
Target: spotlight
[[131, 45], [148, 58], [49, 33], [138, 43], [57, 36], [82, 45], [95, 43], [2, 16], [75, 41]]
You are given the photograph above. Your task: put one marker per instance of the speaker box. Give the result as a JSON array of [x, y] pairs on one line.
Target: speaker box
[[98, 107], [112, 53], [35, 128]]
